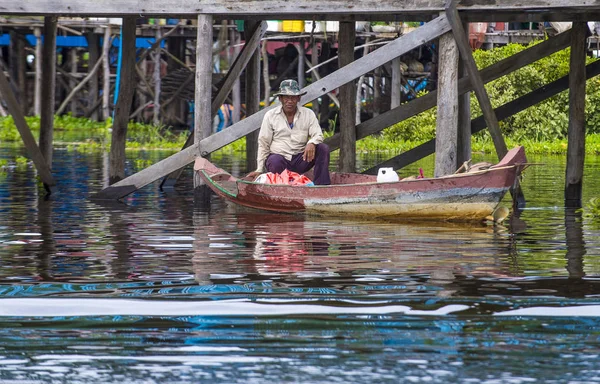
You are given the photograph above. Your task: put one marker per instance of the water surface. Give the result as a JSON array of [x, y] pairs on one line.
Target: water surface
[[172, 287]]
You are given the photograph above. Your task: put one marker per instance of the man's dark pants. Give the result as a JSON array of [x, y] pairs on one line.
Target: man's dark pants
[[277, 163]]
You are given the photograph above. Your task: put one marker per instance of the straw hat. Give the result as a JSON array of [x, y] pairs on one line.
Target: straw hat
[[289, 88]]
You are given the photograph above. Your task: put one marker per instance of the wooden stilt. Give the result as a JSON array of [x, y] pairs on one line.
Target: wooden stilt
[[446, 137], [37, 103], [72, 80], [252, 98], [106, 73], [359, 88], [475, 78], [48, 90], [204, 61], [576, 134], [175, 56], [116, 170], [157, 79], [396, 83], [14, 109], [235, 89], [16, 68], [347, 96], [314, 60], [265, 75], [376, 91], [463, 148], [301, 60], [93, 58]]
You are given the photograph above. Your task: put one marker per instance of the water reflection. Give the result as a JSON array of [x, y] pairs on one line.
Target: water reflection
[[575, 243]]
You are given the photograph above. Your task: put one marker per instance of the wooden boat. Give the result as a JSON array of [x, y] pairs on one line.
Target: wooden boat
[[472, 195]]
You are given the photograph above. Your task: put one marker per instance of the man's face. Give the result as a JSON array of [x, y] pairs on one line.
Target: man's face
[[289, 103]]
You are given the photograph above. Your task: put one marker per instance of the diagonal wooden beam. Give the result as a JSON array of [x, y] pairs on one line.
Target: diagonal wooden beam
[[365, 64], [32, 148], [478, 124], [469, 62], [232, 75]]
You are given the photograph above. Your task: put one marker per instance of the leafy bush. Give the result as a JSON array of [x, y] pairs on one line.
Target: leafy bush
[[546, 121]]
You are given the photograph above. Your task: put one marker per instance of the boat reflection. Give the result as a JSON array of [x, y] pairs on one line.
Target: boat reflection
[[300, 249]]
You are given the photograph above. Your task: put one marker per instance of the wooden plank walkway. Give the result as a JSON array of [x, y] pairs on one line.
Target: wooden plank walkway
[[506, 10]]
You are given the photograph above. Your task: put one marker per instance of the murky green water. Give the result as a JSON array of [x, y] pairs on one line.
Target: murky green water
[[166, 287]]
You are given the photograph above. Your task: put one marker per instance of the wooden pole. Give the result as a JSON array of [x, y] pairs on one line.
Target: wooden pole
[[314, 60], [236, 96], [48, 90], [72, 81], [265, 74], [463, 148], [576, 134], [157, 79], [94, 56], [116, 170], [347, 96], [396, 83], [377, 91], [106, 75], [301, 60], [176, 52], [14, 109], [359, 88], [37, 103], [252, 96], [482, 96], [17, 68], [446, 138], [204, 60]]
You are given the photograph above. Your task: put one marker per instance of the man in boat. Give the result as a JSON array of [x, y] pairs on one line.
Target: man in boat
[[290, 138]]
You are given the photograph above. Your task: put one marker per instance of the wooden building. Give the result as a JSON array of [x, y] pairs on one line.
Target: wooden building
[[444, 21]]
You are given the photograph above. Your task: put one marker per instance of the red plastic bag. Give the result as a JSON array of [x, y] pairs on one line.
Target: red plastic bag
[[288, 178]]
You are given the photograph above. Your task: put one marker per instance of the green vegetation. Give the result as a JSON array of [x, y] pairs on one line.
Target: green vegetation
[[85, 135], [591, 210], [541, 128]]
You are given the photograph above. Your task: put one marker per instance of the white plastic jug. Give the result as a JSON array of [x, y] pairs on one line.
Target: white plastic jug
[[387, 174]]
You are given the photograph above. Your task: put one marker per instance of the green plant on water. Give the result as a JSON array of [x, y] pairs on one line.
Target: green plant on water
[[21, 162], [592, 209], [3, 165], [143, 163]]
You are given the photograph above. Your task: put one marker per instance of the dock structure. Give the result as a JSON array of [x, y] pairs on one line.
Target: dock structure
[[443, 21]]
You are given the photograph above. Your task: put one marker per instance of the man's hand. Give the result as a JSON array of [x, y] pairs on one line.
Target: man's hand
[[251, 176], [309, 152]]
